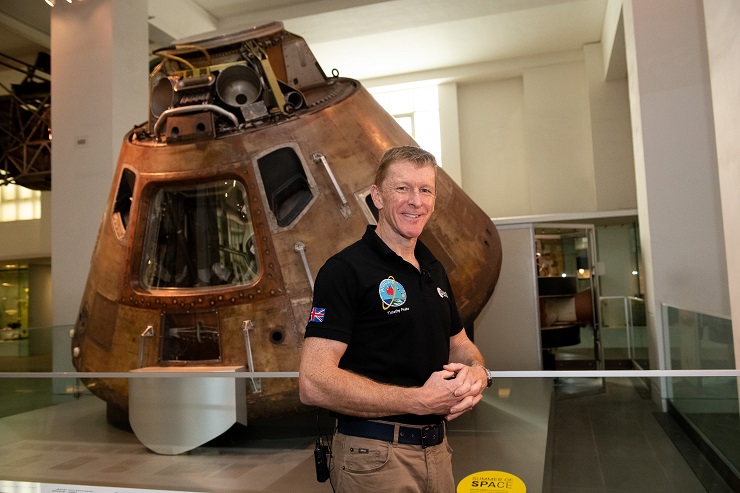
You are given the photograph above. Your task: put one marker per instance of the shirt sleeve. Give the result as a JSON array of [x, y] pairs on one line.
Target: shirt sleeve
[[334, 302]]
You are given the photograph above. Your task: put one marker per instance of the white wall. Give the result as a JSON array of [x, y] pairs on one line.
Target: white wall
[[722, 18], [507, 331], [495, 174], [609, 110], [556, 139]]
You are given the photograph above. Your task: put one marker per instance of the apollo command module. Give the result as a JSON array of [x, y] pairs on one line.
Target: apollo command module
[[252, 169]]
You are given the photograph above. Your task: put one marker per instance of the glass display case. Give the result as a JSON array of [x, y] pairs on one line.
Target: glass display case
[[14, 311]]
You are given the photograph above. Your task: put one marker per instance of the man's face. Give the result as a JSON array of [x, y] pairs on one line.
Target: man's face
[[405, 199]]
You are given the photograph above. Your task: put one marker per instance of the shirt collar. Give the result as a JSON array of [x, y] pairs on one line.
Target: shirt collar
[[422, 253]]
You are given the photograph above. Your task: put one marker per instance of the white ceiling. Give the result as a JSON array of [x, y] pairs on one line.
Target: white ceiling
[[362, 39]]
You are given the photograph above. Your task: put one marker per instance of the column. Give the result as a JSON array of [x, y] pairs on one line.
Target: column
[[675, 162], [99, 91], [722, 18]]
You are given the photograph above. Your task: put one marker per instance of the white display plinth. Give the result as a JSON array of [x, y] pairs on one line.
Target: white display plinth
[[171, 415]]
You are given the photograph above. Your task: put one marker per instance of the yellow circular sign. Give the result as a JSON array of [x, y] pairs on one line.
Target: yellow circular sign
[[491, 482]]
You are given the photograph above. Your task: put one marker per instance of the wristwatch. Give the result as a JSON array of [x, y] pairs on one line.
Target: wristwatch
[[489, 375]]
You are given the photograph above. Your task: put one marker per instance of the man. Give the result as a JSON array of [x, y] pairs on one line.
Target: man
[[385, 347]]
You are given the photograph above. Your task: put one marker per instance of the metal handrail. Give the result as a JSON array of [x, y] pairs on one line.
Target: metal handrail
[[247, 325], [344, 208], [192, 109], [147, 334], [300, 247]]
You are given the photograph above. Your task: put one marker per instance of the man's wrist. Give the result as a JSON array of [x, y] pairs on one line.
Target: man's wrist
[[489, 376]]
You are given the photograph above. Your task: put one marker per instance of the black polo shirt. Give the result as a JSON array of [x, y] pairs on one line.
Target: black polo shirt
[[396, 320]]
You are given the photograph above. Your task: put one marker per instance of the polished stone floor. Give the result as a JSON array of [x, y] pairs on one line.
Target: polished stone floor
[[611, 438]]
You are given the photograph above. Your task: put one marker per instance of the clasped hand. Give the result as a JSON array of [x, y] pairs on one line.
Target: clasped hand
[[454, 390]]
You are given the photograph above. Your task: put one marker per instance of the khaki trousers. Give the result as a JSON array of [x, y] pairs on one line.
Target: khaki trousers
[[361, 465]]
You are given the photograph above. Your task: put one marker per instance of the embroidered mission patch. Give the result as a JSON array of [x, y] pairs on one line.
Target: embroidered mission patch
[[392, 293]]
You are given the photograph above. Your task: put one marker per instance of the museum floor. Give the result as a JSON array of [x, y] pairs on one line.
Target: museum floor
[[600, 439]]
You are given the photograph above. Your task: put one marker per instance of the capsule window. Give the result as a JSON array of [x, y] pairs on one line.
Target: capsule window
[[198, 236], [124, 199], [285, 184]]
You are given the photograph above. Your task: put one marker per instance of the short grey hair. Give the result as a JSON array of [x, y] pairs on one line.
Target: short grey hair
[[416, 155]]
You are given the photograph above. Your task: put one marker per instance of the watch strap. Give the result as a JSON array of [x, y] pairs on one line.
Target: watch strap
[[489, 375]]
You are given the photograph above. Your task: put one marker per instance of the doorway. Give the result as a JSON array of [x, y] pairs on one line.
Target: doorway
[[567, 297]]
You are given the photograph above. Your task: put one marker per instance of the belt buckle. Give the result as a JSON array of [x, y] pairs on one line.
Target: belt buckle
[[430, 435]]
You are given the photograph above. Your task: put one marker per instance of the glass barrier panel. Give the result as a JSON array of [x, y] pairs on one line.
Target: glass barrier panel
[[697, 340], [615, 331], [709, 407], [623, 330], [28, 349], [707, 404], [552, 431]]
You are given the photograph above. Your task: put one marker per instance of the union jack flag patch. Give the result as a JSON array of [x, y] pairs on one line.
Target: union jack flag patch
[[317, 314]]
